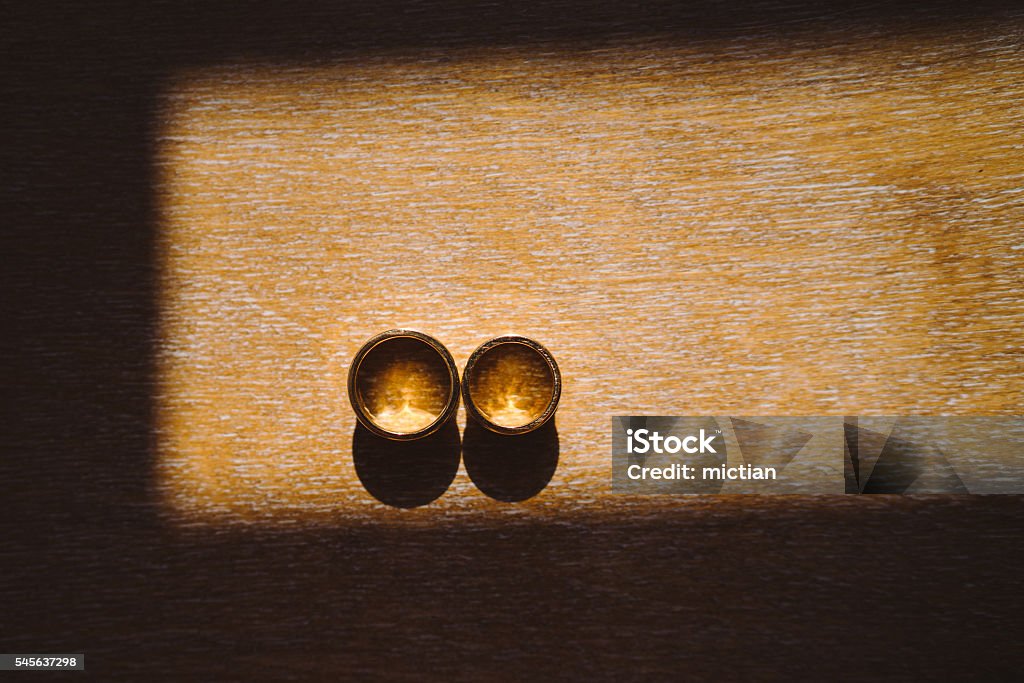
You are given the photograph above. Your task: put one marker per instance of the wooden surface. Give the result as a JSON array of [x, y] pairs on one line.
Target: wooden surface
[[765, 209], [690, 229]]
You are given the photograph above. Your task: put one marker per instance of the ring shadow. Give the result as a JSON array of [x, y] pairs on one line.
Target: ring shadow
[[510, 468], [407, 474]]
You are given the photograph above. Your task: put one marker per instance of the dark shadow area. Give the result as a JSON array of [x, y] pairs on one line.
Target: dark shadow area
[[79, 290], [87, 566], [510, 468], [406, 474], [900, 580], [312, 30]]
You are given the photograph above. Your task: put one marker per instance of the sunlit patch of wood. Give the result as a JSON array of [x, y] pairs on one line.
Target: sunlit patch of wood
[[828, 224]]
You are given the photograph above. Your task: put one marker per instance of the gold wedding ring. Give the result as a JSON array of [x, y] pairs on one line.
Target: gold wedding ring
[[403, 385], [511, 385]]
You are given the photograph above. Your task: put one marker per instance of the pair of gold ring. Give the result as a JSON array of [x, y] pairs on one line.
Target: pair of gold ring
[[404, 385]]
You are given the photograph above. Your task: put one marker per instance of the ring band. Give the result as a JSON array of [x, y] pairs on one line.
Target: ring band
[[511, 385], [403, 385]]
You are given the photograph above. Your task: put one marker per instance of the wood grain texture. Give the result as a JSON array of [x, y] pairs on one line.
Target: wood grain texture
[[760, 207], [737, 228]]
